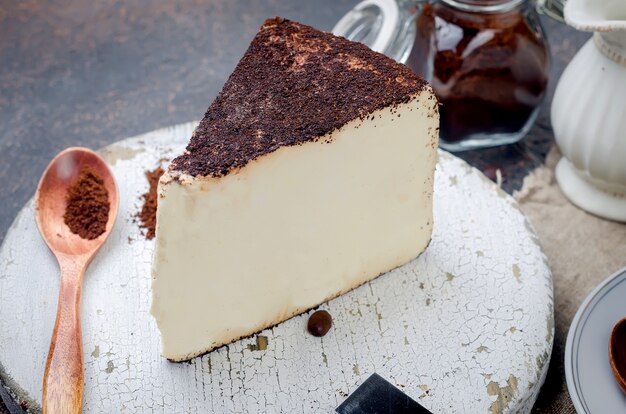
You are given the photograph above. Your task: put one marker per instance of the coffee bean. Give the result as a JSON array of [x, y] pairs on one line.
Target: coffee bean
[[320, 323]]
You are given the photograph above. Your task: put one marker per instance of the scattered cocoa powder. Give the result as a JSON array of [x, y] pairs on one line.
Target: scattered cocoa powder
[[87, 210], [147, 215]]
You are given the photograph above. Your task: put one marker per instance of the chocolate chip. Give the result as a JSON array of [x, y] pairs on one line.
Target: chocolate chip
[[320, 323]]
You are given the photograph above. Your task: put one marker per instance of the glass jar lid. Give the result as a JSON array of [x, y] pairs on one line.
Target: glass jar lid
[[484, 6]]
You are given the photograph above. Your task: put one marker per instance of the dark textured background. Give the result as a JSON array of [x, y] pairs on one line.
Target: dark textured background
[[90, 73]]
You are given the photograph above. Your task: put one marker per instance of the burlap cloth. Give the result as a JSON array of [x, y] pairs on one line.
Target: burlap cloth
[[582, 250]]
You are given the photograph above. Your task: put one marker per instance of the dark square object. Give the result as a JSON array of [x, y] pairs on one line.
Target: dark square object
[[377, 396]]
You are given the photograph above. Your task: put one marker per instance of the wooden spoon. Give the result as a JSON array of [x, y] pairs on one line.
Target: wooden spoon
[[63, 377], [617, 353]]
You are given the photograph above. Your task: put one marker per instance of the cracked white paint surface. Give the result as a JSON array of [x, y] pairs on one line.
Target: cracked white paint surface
[[466, 327]]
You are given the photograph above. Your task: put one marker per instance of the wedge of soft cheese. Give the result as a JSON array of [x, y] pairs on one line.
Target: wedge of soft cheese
[[310, 174]]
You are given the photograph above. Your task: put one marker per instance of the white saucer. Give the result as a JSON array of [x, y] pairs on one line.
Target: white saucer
[[589, 378]]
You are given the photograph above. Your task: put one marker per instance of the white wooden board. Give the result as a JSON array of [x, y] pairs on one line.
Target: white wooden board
[[467, 327]]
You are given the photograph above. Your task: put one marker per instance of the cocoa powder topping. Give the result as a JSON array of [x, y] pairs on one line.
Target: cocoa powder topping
[[294, 84], [87, 209], [147, 215]]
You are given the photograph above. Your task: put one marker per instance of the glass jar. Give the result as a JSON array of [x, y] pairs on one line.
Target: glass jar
[[488, 62]]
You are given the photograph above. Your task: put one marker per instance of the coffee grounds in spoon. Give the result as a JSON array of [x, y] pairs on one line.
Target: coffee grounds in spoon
[[87, 210], [147, 215]]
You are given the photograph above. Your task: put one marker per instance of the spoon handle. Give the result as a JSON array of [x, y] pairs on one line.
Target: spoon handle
[[63, 377]]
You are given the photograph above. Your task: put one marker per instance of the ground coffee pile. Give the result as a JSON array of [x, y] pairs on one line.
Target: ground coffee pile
[[148, 211], [87, 210]]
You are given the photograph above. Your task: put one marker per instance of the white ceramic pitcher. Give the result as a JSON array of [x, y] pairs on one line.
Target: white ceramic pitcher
[[589, 111]]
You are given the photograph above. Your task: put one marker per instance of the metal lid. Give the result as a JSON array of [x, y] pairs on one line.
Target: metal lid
[[485, 6]]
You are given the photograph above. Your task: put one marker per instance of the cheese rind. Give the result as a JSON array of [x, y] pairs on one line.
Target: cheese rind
[[293, 228]]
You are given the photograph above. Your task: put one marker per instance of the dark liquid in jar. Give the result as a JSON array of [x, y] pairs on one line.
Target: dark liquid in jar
[[489, 71]]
